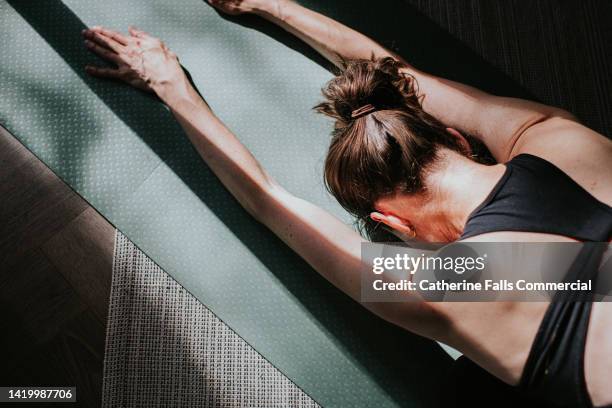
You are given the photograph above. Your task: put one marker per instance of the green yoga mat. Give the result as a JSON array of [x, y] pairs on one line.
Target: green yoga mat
[[123, 152]]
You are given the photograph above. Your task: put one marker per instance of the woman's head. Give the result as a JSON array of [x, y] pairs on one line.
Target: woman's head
[[384, 149]]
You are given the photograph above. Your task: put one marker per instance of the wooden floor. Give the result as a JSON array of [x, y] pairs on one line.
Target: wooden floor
[[55, 273]]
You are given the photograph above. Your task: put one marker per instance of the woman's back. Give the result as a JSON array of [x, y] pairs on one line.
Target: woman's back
[[572, 194], [534, 195], [581, 153]]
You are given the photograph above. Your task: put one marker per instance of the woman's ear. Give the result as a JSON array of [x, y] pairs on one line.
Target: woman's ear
[[397, 224], [465, 145]]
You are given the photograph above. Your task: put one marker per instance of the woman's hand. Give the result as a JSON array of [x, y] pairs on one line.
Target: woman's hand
[[235, 7], [141, 60]]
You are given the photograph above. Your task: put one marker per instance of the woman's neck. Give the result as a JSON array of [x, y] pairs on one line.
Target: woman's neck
[[456, 186]]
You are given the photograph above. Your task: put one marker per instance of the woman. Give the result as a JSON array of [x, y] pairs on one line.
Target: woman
[[398, 158]]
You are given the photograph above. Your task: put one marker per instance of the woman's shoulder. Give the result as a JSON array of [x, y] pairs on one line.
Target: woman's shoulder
[[581, 153]]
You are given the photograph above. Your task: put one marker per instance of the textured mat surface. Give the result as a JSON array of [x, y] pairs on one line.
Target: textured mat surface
[[165, 349], [128, 157]]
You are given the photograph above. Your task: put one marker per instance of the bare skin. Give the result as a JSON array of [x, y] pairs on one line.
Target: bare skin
[[332, 248]]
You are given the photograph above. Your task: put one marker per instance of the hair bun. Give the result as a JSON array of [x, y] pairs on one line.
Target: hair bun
[[375, 82]]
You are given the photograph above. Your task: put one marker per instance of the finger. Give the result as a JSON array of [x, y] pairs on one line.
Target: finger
[[104, 41], [102, 72], [135, 32], [115, 35], [103, 52]]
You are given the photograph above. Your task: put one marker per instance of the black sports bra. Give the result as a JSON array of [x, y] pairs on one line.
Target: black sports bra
[[534, 195]]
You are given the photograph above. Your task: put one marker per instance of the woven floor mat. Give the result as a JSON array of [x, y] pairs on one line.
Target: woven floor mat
[[164, 348]]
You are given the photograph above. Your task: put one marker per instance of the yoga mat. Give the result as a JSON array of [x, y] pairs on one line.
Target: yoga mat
[[123, 151]]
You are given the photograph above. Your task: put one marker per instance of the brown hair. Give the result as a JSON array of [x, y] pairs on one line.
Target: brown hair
[[382, 152]]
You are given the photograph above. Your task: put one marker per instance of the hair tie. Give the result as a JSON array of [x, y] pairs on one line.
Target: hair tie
[[364, 110]]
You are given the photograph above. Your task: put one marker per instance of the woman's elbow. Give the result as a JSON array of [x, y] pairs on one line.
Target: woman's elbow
[[417, 316], [261, 202]]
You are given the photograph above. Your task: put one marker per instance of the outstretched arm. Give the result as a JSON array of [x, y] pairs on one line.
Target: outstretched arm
[[326, 243], [499, 122]]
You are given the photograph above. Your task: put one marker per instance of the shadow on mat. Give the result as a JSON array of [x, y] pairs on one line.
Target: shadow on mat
[[406, 366], [407, 32]]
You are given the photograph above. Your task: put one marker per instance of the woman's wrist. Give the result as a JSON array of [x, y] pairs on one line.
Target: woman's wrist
[[174, 92], [270, 9]]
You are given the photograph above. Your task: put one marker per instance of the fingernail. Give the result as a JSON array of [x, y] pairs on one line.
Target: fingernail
[[88, 43]]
